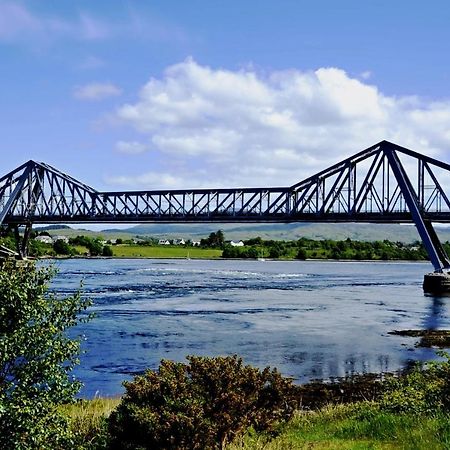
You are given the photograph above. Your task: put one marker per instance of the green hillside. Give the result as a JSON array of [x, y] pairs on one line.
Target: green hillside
[[289, 231]]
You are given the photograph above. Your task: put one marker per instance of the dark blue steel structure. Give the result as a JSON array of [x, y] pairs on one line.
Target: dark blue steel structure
[[385, 183]]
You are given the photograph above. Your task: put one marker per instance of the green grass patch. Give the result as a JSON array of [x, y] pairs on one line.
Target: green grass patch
[[141, 251], [88, 421], [81, 249], [355, 426]]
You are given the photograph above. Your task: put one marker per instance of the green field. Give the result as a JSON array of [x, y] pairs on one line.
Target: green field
[[141, 251], [354, 427]]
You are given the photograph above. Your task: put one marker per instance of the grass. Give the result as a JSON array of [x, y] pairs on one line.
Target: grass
[[355, 427], [81, 249], [88, 420], [358, 426], [133, 251]]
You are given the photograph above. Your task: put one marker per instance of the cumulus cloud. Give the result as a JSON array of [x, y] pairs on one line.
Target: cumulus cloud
[[131, 148], [96, 91], [220, 127]]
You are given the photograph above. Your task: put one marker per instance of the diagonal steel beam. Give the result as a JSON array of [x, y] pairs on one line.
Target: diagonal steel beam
[[15, 195], [437, 255]]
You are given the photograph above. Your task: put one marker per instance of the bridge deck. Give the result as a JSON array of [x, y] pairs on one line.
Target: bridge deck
[[371, 186]]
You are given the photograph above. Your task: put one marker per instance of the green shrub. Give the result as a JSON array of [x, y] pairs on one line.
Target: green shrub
[[36, 357], [424, 390], [63, 248], [107, 251], [199, 405]]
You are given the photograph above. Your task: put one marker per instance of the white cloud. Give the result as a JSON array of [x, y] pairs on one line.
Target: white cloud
[[16, 20], [18, 23], [93, 29], [167, 180], [96, 91], [219, 127], [131, 148]]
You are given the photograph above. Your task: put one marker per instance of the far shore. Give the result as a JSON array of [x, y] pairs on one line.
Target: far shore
[[180, 258]]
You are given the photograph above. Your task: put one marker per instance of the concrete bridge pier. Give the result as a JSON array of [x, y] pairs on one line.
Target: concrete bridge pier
[[436, 283]]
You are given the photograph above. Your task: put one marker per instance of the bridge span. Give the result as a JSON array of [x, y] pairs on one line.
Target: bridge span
[[385, 183]]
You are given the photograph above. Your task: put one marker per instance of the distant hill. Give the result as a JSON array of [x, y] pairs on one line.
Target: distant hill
[[52, 227], [290, 231]]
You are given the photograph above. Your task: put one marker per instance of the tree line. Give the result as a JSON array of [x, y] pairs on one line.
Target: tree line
[[303, 248]]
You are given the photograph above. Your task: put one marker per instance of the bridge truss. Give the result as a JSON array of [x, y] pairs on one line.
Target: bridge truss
[[384, 183]]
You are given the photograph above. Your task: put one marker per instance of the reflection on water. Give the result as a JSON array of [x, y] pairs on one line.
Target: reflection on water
[[436, 314], [309, 319]]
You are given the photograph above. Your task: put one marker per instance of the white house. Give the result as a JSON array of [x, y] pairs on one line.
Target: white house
[[236, 244], [179, 241], [45, 239], [163, 242], [195, 243]]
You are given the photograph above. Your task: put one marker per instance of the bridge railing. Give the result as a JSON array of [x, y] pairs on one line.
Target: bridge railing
[[194, 203]]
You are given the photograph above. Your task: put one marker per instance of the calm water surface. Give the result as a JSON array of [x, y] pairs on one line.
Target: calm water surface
[[308, 319]]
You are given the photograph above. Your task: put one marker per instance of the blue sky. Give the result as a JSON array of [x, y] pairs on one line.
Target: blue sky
[[204, 93]]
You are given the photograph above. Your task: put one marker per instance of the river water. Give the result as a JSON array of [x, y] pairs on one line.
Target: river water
[[310, 319]]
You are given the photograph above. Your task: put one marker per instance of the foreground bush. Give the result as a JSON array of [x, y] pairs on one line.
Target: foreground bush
[[36, 357], [199, 405], [425, 389]]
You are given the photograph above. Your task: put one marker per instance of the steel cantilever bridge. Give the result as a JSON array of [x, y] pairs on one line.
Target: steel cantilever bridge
[[385, 183]]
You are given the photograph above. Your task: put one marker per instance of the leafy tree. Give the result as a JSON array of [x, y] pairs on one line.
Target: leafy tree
[[107, 251], [36, 358], [301, 254], [215, 240], [95, 247], [63, 248], [231, 252], [80, 240], [255, 241], [252, 252], [37, 248], [275, 252]]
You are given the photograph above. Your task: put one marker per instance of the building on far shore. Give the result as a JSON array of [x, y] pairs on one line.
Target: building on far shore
[[44, 239]]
